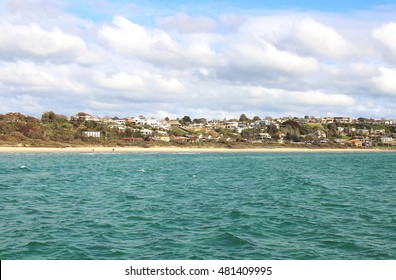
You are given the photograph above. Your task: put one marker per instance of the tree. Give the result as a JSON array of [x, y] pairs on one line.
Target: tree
[[243, 118], [272, 130], [48, 117], [200, 120], [256, 118], [186, 120], [292, 123]]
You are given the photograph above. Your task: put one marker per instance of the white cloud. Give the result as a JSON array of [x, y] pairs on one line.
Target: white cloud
[[31, 40], [23, 74], [301, 98], [321, 39], [266, 62], [119, 81], [265, 59], [386, 34], [386, 83], [310, 37], [185, 24], [127, 38], [27, 76], [172, 84]]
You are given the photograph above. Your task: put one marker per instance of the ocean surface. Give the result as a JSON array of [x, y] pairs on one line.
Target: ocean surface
[[198, 206]]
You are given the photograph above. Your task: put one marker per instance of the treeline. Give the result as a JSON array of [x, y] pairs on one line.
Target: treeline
[[52, 127], [55, 129]]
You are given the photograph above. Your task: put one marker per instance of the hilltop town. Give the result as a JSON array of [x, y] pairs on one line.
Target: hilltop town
[[84, 129]]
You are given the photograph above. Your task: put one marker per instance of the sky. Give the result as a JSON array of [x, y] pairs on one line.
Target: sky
[[212, 59]]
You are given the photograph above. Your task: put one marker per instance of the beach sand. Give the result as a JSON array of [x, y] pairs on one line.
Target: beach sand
[[175, 150]]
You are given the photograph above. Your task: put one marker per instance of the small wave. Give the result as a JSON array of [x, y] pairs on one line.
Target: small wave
[[233, 240], [35, 244], [336, 205], [235, 214], [3, 186], [138, 218], [133, 197], [32, 211]]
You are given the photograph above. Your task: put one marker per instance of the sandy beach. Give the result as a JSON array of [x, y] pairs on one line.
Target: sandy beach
[[175, 150]]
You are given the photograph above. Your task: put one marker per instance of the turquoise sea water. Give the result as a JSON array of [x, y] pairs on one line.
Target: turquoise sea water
[[198, 206]]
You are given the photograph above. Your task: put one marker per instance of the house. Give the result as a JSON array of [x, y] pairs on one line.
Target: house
[[386, 139], [264, 136], [231, 125], [360, 131], [174, 123], [118, 121], [94, 134], [355, 142], [164, 138], [140, 121], [342, 120], [120, 127], [327, 120], [280, 135], [153, 123], [146, 132]]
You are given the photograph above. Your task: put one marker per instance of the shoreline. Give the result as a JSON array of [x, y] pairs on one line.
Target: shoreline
[[96, 149]]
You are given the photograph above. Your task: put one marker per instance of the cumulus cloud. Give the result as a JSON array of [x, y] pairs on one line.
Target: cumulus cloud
[[32, 41], [385, 34], [119, 81], [319, 39], [385, 83], [127, 38], [265, 59], [268, 62]]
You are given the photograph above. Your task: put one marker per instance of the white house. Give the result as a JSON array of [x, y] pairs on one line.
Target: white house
[[146, 132], [231, 125], [153, 123], [95, 134], [386, 139], [118, 121]]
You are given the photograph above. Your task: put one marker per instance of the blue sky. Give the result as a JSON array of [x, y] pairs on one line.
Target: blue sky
[[211, 59], [144, 11]]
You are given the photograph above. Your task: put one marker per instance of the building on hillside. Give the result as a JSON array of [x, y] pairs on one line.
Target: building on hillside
[[174, 123], [231, 125], [164, 138], [386, 139], [118, 121], [342, 120], [146, 132], [355, 142], [327, 120], [94, 134], [154, 123], [264, 136]]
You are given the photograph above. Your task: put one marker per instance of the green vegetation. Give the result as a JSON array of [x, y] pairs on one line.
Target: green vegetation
[[54, 130]]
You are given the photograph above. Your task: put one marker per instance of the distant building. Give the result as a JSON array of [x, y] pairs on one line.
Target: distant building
[[386, 139], [94, 134], [342, 119]]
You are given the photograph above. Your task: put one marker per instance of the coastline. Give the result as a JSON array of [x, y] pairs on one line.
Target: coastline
[[96, 149]]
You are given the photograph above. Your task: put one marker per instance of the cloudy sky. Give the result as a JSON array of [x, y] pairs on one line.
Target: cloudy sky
[[215, 60]]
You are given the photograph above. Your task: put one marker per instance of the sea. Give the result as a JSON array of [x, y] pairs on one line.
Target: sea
[[198, 206]]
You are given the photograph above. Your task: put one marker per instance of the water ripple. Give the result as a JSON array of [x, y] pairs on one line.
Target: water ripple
[[198, 206]]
